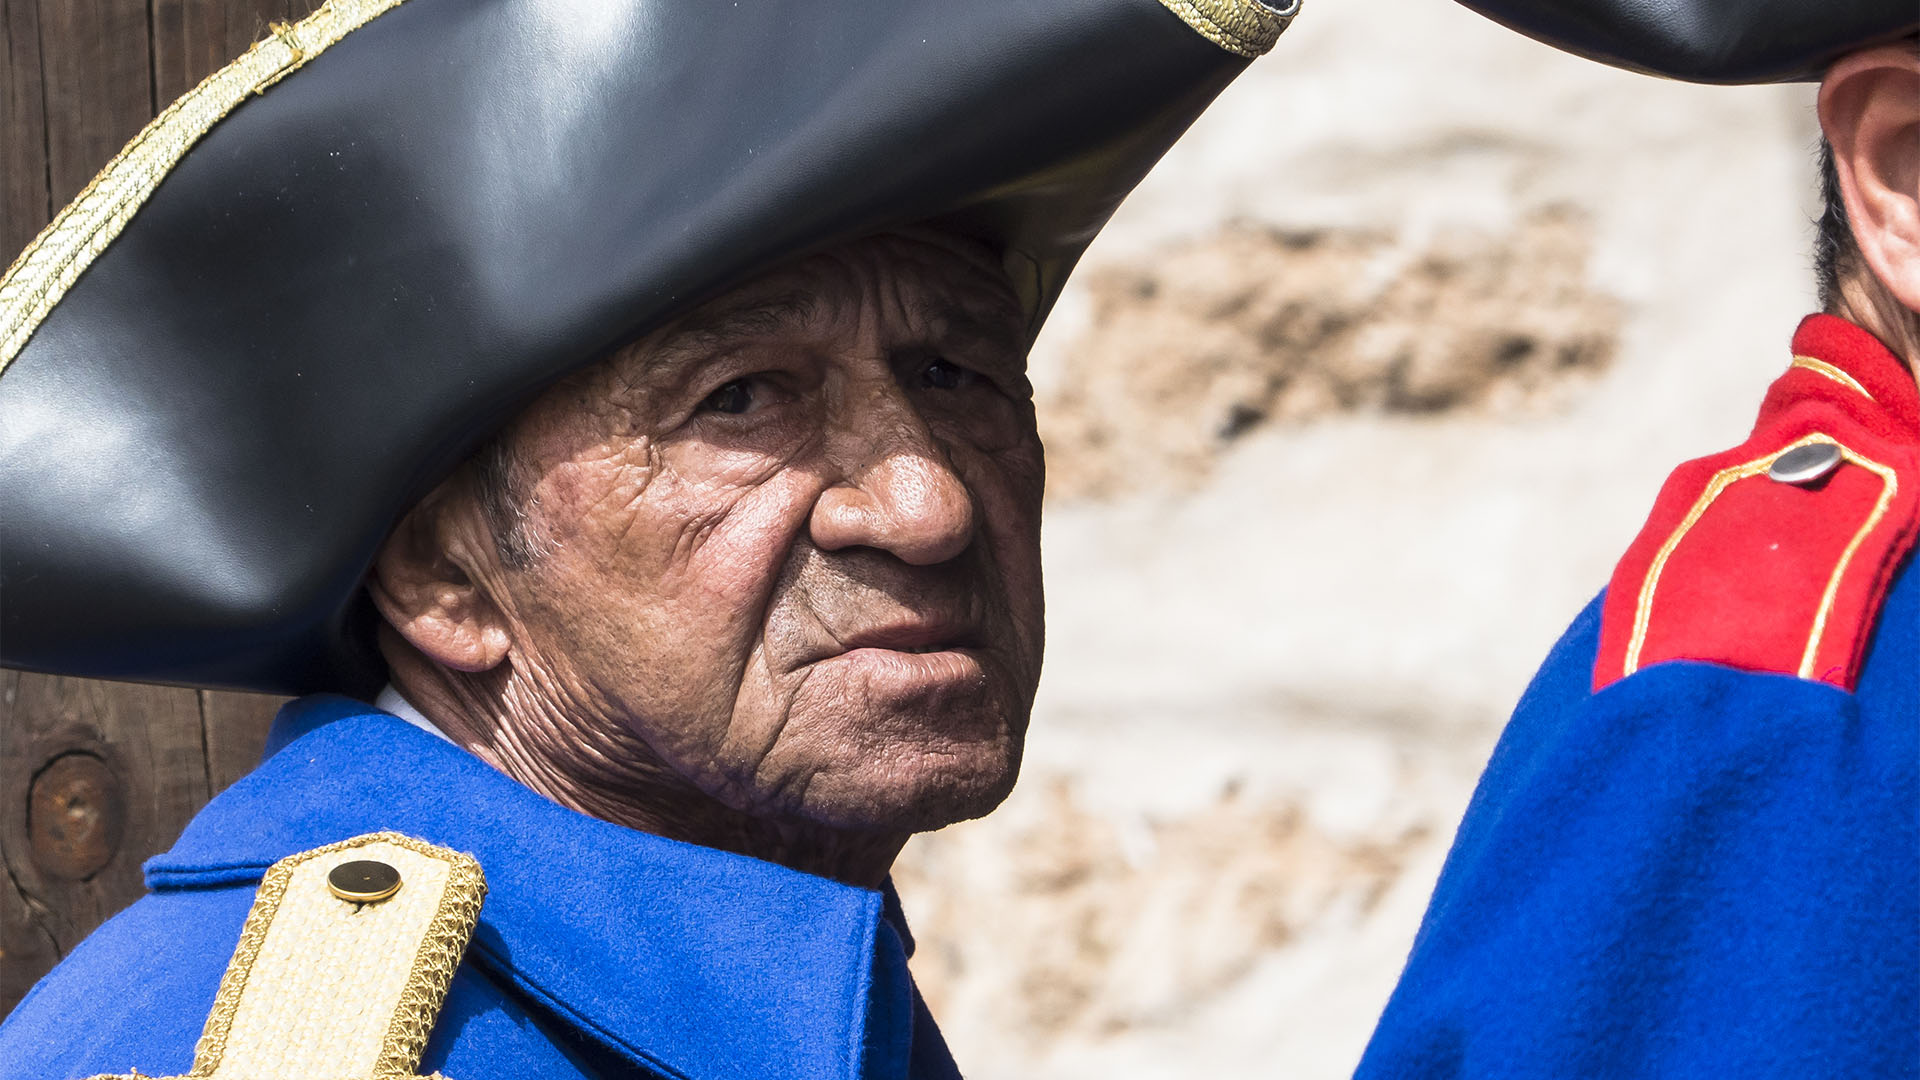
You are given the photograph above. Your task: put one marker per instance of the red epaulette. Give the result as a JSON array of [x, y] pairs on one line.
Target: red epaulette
[[1777, 555]]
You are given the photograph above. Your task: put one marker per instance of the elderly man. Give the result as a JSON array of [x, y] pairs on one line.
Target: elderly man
[[767, 580], [637, 389], [1696, 851]]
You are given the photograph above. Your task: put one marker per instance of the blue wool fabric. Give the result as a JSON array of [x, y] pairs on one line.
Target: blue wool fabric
[[601, 951], [1695, 872]]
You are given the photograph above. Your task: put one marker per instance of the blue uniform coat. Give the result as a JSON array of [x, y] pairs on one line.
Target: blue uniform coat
[[601, 951], [1697, 870]]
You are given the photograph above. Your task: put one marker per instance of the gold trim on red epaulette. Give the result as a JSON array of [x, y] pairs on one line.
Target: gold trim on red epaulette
[[1821, 367], [1725, 478]]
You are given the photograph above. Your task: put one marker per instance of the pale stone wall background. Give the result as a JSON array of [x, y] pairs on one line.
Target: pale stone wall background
[[1349, 412]]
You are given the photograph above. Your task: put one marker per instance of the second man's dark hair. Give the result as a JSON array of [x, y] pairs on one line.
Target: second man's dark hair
[[1835, 255]]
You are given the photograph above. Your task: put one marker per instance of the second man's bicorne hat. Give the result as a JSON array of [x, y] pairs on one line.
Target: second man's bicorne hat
[[1710, 41], [321, 278]]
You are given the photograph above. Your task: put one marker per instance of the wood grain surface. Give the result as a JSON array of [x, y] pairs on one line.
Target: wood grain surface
[[96, 776]]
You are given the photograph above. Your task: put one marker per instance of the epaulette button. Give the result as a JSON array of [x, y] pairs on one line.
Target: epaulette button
[[363, 881], [1805, 464]]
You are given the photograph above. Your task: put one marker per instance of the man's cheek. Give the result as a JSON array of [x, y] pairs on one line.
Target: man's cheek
[[757, 722], [733, 541], [1009, 490], [1025, 467], [590, 507], [1011, 507], [721, 561]]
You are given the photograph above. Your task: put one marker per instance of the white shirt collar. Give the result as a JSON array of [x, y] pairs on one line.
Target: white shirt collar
[[391, 701]]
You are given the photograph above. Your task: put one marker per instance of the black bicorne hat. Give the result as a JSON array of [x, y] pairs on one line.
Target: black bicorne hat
[[321, 278], [1710, 41]]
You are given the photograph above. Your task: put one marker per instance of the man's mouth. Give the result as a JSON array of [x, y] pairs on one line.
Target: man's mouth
[[920, 637]]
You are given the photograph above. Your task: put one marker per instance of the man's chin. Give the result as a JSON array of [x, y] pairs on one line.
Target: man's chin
[[913, 791]]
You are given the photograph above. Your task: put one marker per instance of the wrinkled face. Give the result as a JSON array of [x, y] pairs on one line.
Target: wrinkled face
[[792, 540]]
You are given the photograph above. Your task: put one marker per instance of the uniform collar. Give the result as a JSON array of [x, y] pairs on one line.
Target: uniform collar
[[1756, 566], [1839, 363], [684, 959]]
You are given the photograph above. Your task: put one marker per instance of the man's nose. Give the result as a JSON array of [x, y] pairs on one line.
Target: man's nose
[[902, 496]]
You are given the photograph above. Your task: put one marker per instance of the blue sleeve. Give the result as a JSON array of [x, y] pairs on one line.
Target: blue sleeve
[[1695, 872], [133, 996]]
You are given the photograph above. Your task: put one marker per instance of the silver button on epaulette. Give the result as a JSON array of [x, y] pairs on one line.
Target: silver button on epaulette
[[1805, 464]]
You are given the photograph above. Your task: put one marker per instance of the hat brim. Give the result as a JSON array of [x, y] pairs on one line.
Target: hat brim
[[351, 279]]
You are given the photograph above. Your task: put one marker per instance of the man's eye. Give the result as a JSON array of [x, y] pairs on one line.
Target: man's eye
[[941, 375], [735, 397]]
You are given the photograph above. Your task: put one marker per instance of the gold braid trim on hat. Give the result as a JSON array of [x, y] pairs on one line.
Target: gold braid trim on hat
[[64, 249], [321, 986], [1245, 27]]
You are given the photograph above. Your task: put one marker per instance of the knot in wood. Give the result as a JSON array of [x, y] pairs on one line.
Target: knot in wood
[[76, 816]]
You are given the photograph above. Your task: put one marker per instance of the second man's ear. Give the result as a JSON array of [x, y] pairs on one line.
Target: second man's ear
[[1870, 112], [428, 582]]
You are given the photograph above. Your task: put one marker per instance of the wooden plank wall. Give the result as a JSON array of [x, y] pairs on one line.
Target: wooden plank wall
[[94, 776]]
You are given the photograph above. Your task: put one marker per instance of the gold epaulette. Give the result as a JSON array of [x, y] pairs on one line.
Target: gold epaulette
[[343, 963]]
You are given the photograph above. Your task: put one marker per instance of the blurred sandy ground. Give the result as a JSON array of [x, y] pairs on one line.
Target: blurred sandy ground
[[1288, 617]]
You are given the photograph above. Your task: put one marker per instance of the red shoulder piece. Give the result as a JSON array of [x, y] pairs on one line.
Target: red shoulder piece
[[1777, 555]]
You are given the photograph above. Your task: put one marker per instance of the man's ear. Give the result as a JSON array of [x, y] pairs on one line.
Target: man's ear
[[427, 583], [1870, 111]]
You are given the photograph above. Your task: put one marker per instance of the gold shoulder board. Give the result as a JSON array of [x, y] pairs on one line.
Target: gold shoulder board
[[343, 963]]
